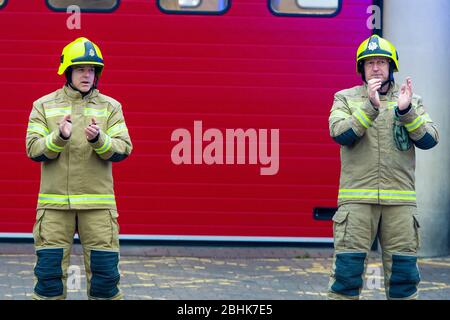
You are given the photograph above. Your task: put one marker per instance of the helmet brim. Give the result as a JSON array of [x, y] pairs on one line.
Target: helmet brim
[[62, 70]]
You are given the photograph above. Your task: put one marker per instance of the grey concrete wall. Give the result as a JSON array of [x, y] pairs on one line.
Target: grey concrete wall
[[421, 32]]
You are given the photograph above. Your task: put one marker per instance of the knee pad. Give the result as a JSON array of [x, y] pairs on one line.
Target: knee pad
[[349, 268], [105, 274], [48, 271], [404, 278]]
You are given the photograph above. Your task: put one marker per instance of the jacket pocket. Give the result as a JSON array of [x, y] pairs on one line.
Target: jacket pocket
[[340, 228], [401, 136], [37, 228]]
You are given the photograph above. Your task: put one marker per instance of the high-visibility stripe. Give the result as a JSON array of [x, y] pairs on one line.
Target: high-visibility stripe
[[398, 195], [53, 198], [116, 129], [96, 112], [375, 194], [91, 198], [37, 128], [50, 145], [358, 193], [76, 199], [92, 201], [426, 117], [391, 105], [415, 124], [363, 119], [105, 147], [55, 112]]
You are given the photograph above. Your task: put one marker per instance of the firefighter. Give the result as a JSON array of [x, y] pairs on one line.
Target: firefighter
[[76, 133], [378, 124]]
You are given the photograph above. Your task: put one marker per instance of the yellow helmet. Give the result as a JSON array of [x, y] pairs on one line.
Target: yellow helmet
[[81, 51], [375, 46]]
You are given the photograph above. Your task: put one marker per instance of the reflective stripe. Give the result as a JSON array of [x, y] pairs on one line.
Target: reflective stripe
[[398, 195], [391, 105], [96, 112], [116, 129], [358, 193], [105, 147], [91, 198], [76, 199], [53, 198], [415, 124], [54, 112], [37, 128], [363, 119], [50, 145], [375, 194], [426, 117]]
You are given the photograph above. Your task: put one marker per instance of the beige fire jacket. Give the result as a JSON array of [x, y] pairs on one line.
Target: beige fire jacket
[[77, 174], [373, 169]]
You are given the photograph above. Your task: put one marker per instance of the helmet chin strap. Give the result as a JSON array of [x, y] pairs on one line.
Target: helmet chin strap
[[83, 94], [389, 81], [69, 83]]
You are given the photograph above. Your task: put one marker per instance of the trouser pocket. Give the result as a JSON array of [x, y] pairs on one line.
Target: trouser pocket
[[417, 230], [340, 228]]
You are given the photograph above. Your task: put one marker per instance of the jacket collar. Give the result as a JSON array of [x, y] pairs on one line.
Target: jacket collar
[[75, 95]]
